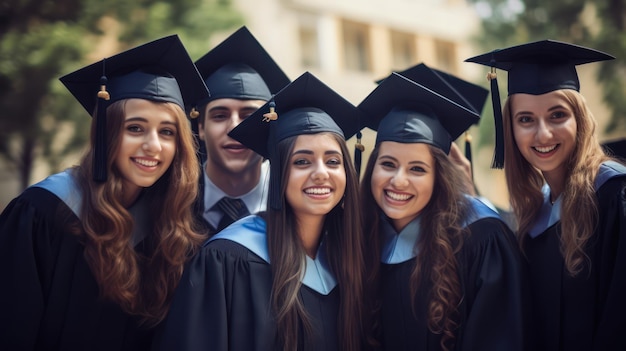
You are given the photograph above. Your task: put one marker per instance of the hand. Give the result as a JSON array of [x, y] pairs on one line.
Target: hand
[[463, 164]]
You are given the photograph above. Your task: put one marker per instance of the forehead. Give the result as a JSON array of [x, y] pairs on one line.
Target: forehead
[[406, 152], [150, 110], [234, 104], [530, 102], [319, 141]]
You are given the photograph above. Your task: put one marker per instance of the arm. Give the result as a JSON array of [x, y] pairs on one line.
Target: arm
[[494, 290], [23, 258]]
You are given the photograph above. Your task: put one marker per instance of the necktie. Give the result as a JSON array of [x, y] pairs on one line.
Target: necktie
[[233, 209]]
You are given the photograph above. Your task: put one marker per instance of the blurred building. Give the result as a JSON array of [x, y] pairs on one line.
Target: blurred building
[[349, 44]]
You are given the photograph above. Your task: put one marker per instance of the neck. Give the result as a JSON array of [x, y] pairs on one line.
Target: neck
[[310, 232], [235, 184], [556, 181]]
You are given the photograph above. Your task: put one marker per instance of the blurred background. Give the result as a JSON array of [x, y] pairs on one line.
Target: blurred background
[[348, 44]]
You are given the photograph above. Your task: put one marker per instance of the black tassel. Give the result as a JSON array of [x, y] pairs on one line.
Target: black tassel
[[100, 148], [498, 157], [275, 199], [358, 151], [468, 151]]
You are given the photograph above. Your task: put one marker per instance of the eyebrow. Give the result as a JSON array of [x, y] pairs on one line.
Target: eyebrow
[[555, 107], [224, 108], [145, 120], [310, 152]]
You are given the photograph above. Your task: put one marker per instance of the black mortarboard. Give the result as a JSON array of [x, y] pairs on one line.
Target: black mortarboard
[[616, 147], [160, 71], [306, 106], [464, 93], [534, 68], [240, 68], [405, 111]]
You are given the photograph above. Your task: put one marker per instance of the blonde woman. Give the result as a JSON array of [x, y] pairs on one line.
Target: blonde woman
[[568, 197]]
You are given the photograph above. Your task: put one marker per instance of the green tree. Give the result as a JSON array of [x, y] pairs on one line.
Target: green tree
[[42, 40], [600, 24]]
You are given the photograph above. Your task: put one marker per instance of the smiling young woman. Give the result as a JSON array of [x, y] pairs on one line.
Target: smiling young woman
[[567, 195], [91, 256], [444, 272], [289, 278]]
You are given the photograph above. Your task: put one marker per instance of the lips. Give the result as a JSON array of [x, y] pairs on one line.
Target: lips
[[317, 191], [545, 149], [234, 147], [397, 196], [146, 163]]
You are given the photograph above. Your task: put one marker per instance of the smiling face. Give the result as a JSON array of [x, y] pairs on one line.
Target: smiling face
[[317, 176], [544, 128], [403, 179], [148, 144], [226, 156]]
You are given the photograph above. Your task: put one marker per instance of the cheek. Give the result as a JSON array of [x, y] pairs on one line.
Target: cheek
[[377, 183], [214, 130], [341, 180], [521, 136], [169, 149]]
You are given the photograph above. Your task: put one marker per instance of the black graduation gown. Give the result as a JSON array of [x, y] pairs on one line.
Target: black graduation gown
[[586, 312], [492, 308], [223, 301], [49, 298]]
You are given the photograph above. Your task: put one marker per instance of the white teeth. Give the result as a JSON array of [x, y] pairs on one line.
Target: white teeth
[[398, 197], [147, 163], [317, 191], [545, 149]]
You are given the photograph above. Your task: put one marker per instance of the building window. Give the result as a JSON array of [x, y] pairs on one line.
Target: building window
[[403, 50], [446, 55], [309, 48], [356, 46]]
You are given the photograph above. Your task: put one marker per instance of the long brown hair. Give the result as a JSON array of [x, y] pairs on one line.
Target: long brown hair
[[579, 208], [142, 283], [442, 237], [343, 243]]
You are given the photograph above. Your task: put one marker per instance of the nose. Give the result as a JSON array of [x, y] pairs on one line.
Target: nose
[[399, 179], [235, 120], [152, 143], [544, 132], [320, 173]]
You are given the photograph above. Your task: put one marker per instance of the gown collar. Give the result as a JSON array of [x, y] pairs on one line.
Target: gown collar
[[400, 247], [550, 214], [251, 232], [63, 185]]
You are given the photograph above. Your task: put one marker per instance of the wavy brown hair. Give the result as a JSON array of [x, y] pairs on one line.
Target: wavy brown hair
[[343, 242], [579, 207], [141, 282], [442, 219]]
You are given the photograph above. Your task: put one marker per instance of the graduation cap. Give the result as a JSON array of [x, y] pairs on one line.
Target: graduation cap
[[240, 68], [534, 68], [405, 111], [467, 94], [305, 106], [160, 71]]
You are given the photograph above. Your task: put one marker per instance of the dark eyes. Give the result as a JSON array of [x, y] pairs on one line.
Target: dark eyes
[[137, 129], [387, 164], [554, 115], [303, 161], [134, 128], [391, 165]]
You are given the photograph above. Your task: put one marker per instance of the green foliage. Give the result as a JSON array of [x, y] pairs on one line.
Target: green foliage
[[599, 24], [42, 40]]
